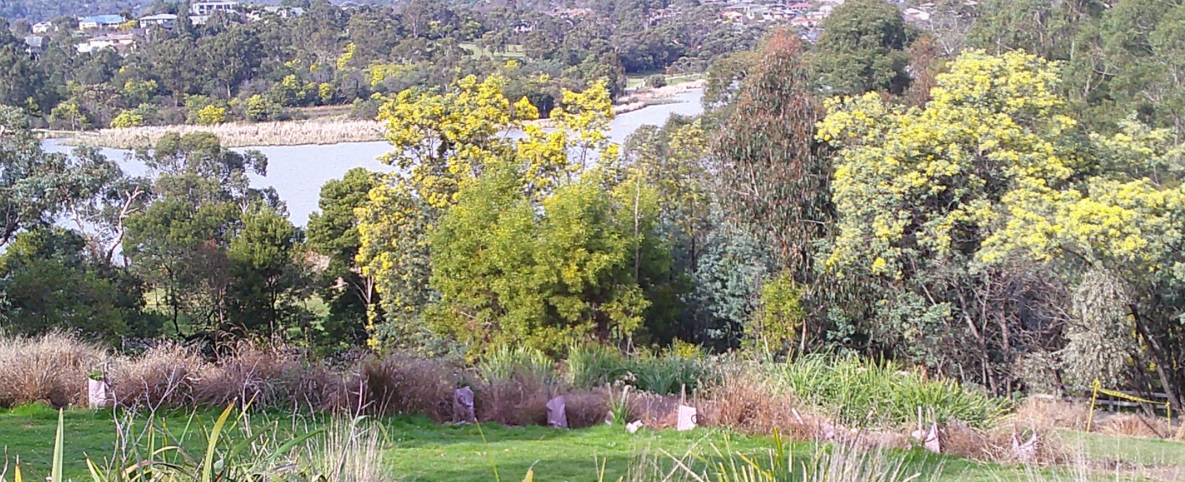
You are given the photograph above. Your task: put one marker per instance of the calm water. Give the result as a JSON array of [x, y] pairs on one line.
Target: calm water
[[297, 172]]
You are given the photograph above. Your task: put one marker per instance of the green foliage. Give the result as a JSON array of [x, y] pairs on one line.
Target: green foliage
[[546, 280], [506, 363], [333, 233], [862, 48], [727, 288], [49, 283], [259, 108], [127, 118], [30, 177], [656, 81], [221, 252], [776, 326], [268, 283], [669, 373], [592, 365], [866, 393]]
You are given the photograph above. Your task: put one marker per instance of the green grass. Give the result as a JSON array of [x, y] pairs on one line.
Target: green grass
[[633, 81], [1135, 450], [424, 451], [512, 51]]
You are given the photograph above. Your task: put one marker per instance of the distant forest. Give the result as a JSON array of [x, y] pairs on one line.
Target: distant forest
[[44, 10]]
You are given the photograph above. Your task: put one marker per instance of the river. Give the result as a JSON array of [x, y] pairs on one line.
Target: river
[[297, 172]]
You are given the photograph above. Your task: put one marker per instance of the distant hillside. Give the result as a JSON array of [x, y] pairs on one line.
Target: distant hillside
[[39, 10]]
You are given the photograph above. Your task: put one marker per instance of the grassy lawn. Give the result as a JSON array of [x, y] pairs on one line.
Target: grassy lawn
[[424, 451], [633, 81], [512, 51]]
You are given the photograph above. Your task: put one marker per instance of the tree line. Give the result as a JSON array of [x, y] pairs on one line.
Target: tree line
[[230, 68]]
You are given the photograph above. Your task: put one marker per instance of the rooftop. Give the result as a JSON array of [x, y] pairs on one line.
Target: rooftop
[[103, 19]]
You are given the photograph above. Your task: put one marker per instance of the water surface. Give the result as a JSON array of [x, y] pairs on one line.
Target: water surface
[[297, 172]]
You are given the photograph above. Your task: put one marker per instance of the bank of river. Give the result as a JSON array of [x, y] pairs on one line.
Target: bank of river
[[297, 172]]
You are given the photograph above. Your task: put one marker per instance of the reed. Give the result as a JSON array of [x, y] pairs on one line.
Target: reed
[[288, 133]]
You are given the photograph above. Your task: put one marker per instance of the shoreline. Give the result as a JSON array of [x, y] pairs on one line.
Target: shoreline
[[318, 131]]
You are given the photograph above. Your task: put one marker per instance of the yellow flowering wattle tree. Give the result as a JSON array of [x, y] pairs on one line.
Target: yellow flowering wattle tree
[[445, 143], [983, 211]]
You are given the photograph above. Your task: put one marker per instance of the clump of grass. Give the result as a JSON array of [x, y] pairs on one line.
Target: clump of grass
[[234, 447], [1047, 413], [846, 462], [271, 376], [745, 400], [669, 373], [51, 368], [350, 451], [505, 363], [403, 385], [593, 365], [163, 375], [865, 393], [586, 408]]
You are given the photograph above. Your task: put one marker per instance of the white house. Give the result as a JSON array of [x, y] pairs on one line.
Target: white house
[[166, 20], [42, 27], [207, 8], [121, 42]]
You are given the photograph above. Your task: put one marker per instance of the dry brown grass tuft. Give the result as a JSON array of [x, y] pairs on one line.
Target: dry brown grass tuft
[[744, 401], [162, 376], [1132, 425], [996, 445], [253, 373], [50, 368], [1045, 414], [654, 410], [586, 408], [400, 384], [518, 400]]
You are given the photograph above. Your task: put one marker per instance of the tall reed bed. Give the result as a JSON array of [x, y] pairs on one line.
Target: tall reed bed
[[288, 133]]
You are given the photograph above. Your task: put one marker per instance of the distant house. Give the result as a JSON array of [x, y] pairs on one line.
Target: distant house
[[573, 12], [42, 27], [285, 12], [916, 15], [164, 20], [120, 42], [98, 22], [799, 7], [34, 45], [207, 8]]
